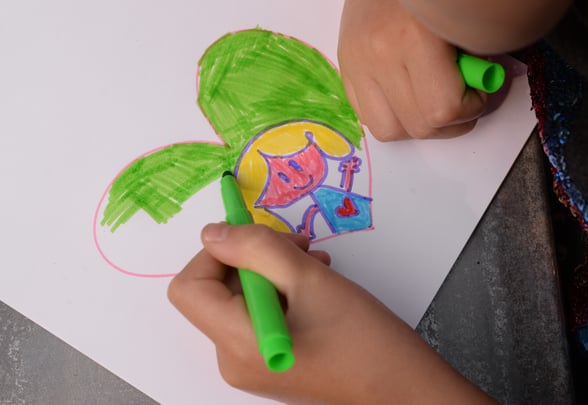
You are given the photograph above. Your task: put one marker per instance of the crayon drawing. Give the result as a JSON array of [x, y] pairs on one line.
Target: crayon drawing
[[286, 130]]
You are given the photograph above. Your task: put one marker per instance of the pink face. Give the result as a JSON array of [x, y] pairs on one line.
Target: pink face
[[292, 177]]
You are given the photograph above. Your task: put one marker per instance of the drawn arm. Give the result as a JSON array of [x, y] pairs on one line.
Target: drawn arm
[[307, 225], [347, 169]]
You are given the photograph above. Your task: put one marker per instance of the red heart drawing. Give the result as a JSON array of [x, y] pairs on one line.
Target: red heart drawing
[[348, 209]]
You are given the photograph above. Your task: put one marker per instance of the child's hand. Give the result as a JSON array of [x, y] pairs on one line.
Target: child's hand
[[349, 348], [402, 80]]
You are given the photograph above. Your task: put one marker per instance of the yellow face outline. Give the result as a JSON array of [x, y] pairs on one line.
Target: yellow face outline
[[282, 140]]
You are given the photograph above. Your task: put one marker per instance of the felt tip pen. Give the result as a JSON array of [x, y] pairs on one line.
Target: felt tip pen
[[261, 297], [480, 74]]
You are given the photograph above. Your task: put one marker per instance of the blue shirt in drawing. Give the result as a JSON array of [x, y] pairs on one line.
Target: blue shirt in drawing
[[343, 211]]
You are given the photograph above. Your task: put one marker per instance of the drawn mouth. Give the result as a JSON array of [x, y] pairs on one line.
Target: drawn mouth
[[310, 180]]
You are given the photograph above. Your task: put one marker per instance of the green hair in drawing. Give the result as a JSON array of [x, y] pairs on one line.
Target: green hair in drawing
[[248, 81]]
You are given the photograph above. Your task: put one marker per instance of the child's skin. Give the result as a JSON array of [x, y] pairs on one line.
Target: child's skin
[[349, 348], [397, 58], [398, 66]]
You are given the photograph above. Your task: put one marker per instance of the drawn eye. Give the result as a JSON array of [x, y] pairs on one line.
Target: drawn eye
[[294, 165], [284, 178]]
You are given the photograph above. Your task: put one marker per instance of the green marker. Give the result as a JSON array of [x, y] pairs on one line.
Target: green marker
[[261, 297], [480, 74]]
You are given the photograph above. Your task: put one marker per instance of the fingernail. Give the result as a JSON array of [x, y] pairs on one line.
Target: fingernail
[[215, 232]]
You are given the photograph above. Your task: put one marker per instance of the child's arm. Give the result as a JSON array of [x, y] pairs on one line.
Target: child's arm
[[489, 26], [398, 59], [349, 348]]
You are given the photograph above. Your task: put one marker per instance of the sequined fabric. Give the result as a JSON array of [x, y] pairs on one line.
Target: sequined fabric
[[558, 92]]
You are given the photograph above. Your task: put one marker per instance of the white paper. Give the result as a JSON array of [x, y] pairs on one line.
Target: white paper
[[88, 87]]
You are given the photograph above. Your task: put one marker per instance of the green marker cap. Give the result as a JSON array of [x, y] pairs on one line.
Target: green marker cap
[[481, 74], [277, 352]]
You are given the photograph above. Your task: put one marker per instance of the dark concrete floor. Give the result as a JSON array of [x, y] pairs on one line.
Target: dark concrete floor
[[498, 317]]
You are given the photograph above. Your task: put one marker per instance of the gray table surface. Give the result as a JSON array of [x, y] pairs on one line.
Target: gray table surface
[[497, 318]]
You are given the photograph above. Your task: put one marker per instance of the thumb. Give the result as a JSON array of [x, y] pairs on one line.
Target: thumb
[[260, 249]]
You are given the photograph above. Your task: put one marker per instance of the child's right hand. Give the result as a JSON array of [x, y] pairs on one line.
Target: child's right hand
[[402, 79], [349, 348]]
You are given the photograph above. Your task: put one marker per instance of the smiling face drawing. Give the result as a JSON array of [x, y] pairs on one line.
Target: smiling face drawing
[[299, 172], [292, 177]]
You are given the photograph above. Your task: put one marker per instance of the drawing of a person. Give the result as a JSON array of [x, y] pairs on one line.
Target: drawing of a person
[[288, 165], [285, 129]]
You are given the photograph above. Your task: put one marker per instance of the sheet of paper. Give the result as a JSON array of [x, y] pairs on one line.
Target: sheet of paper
[[89, 87]]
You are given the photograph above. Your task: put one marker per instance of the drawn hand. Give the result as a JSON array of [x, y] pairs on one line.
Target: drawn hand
[[350, 166], [402, 79], [349, 347]]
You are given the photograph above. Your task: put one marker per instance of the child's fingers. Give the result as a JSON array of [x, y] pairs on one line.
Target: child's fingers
[[260, 249], [200, 294], [403, 97], [350, 92], [377, 113], [321, 255], [440, 92], [299, 240], [303, 243]]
